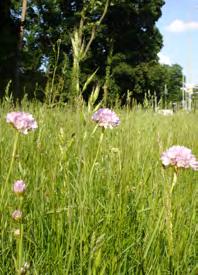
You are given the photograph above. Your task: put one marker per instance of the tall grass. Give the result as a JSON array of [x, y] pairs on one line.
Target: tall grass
[[98, 210]]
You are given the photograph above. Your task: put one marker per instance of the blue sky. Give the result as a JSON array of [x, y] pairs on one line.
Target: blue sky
[[179, 27]]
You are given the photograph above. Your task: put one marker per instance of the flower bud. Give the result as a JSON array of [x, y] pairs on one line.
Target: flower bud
[[19, 187], [17, 233], [17, 215]]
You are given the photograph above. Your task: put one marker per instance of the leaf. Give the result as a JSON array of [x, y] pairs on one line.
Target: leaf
[[89, 79]]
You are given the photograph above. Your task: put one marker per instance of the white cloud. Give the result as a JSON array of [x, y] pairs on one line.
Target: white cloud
[[164, 59], [181, 26]]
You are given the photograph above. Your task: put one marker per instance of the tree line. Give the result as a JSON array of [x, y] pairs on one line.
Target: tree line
[[112, 44]]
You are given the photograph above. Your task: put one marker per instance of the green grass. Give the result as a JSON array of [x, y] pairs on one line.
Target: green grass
[[110, 220]]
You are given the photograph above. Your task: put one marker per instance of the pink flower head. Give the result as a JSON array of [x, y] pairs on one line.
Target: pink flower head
[[106, 118], [179, 157], [23, 122], [17, 215], [19, 187]]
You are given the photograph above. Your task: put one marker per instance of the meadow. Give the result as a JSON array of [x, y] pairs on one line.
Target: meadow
[[97, 205]]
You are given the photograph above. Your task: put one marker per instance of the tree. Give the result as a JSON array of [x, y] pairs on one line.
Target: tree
[[124, 51], [8, 45], [174, 82], [128, 44]]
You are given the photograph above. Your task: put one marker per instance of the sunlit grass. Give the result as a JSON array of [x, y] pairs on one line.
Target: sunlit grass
[[109, 221]]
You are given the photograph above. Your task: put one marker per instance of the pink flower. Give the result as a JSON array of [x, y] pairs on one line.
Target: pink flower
[[23, 122], [106, 118], [19, 187], [17, 215], [179, 157]]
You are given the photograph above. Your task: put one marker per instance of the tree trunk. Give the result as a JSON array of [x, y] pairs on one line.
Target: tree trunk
[[18, 92]]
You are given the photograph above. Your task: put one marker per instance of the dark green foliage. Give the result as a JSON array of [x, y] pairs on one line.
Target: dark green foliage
[[8, 45], [124, 48], [174, 82]]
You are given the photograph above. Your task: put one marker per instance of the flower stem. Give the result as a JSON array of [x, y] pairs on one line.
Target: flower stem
[[20, 250], [168, 206], [174, 180], [20, 243], [11, 164], [97, 152]]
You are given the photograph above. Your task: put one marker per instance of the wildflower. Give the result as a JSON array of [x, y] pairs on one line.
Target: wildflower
[[25, 268], [17, 215], [106, 118], [17, 232], [23, 122], [19, 187], [179, 157]]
